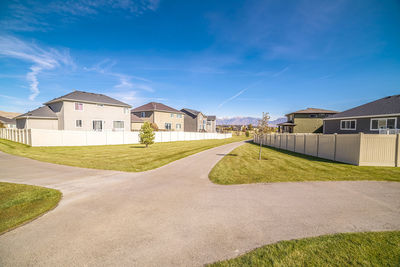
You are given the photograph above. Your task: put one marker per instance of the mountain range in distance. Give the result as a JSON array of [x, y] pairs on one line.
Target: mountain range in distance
[[246, 121]]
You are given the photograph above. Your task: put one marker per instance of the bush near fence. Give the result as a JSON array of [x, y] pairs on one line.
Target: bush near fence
[[41, 137], [357, 149]]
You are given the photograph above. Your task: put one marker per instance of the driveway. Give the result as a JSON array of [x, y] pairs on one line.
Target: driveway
[[175, 216]]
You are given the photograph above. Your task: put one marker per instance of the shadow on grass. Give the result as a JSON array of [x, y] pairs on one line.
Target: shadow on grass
[[138, 146], [228, 155], [295, 154]]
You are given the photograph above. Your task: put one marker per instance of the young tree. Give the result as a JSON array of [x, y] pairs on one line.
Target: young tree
[[146, 134], [263, 128], [250, 127]]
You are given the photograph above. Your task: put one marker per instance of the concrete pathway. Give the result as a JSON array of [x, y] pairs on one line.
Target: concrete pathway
[[175, 216]]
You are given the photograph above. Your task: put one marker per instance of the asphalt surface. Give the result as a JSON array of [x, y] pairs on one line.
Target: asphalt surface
[[175, 216]]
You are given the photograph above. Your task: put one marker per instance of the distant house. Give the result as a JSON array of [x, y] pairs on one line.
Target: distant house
[[165, 117], [7, 122], [308, 120], [196, 121], [136, 122], [382, 115], [78, 111]]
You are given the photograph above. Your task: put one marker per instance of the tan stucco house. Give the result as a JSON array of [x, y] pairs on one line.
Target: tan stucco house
[[165, 117], [196, 121], [309, 120], [79, 111], [136, 122], [7, 122]]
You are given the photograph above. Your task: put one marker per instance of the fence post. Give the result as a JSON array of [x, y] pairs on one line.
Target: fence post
[[360, 150], [334, 151], [397, 152], [305, 140], [317, 145]]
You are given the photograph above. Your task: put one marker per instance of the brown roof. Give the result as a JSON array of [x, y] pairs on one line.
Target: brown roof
[[89, 97], [135, 118], [313, 110], [153, 106]]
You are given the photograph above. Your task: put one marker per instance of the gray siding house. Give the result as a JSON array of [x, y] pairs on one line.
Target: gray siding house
[[380, 116], [78, 111], [196, 121]]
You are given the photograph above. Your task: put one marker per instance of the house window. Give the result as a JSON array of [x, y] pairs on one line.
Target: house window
[[78, 123], [383, 123], [78, 106], [143, 114], [168, 126], [178, 126], [126, 110], [172, 115], [313, 115], [118, 125], [100, 105], [98, 126], [348, 125], [179, 115]]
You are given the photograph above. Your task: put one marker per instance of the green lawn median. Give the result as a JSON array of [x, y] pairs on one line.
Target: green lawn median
[[243, 166], [130, 158], [20, 203], [355, 249]]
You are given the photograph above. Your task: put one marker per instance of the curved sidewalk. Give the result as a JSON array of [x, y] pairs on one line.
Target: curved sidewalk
[[175, 216]]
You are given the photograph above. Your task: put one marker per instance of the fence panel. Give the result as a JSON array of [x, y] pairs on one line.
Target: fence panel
[[311, 145], [348, 148], [326, 146], [299, 147], [378, 150]]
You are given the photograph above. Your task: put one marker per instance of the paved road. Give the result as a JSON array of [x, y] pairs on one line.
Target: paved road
[[175, 216]]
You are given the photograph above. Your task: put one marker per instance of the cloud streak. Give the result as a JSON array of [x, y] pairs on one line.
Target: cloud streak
[[41, 58], [232, 97]]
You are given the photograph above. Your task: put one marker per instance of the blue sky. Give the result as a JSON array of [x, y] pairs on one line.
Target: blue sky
[[229, 58]]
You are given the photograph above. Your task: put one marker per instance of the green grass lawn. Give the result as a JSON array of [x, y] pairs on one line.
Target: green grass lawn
[[242, 166], [355, 249], [130, 158], [20, 203]]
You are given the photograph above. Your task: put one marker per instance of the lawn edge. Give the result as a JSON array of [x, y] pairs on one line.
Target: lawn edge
[[38, 216]]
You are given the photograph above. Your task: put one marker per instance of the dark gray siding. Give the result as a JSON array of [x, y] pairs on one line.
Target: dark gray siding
[[190, 124], [362, 125]]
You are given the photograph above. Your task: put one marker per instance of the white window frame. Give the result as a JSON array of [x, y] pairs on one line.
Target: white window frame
[[143, 114], [102, 125], [79, 103], [170, 125], [126, 110], [78, 126], [119, 129], [348, 129], [172, 115], [178, 128], [179, 116], [377, 119]]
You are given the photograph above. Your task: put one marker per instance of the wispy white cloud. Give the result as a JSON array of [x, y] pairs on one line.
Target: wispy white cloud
[[41, 58], [31, 15], [232, 97], [124, 81], [281, 72]]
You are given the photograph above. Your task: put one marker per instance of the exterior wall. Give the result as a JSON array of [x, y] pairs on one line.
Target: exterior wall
[[211, 126], [307, 125], [160, 118], [58, 108], [107, 114], [200, 123], [357, 149], [363, 125], [136, 126], [50, 124], [190, 123]]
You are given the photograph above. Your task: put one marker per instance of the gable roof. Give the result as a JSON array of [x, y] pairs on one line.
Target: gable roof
[[7, 120], [211, 118], [313, 110], [135, 118], [191, 111], [90, 98], [153, 106], [389, 105], [42, 112]]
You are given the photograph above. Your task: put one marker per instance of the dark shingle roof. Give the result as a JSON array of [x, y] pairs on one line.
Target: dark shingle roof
[[211, 118], [313, 110], [153, 106], [42, 112], [384, 106], [135, 118], [191, 112], [7, 120], [89, 97]]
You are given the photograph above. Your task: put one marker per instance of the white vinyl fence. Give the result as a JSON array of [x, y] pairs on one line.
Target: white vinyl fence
[[357, 149], [40, 137]]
